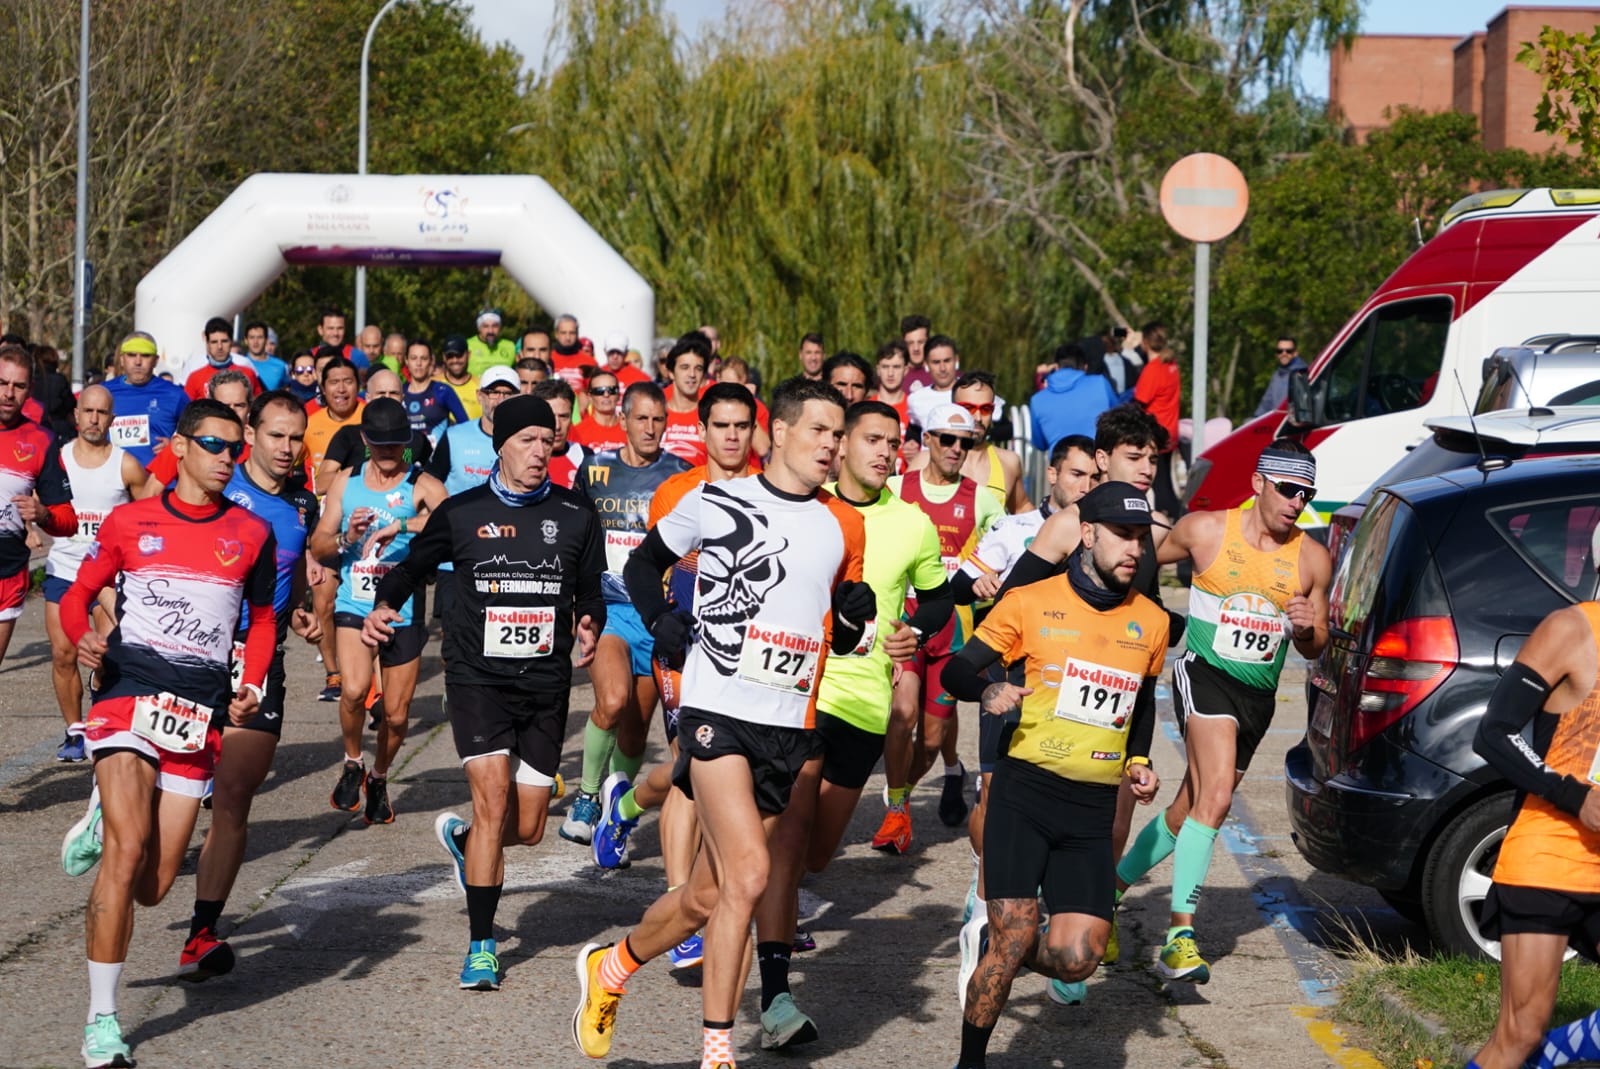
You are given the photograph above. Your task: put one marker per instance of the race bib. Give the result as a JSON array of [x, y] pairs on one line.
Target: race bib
[[236, 675], [171, 723], [1096, 695], [782, 660], [868, 637], [88, 525], [365, 575], [128, 431], [519, 632], [619, 544], [952, 565], [1249, 629]]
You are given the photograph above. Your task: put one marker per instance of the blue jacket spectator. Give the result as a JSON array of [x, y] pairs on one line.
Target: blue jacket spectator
[[1071, 401], [1287, 353]]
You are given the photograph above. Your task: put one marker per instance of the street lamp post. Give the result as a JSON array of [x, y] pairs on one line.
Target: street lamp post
[[361, 158], [80, 256]]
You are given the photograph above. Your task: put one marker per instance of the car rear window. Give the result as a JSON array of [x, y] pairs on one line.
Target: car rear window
[[1587, 394], [1388, 573], [1554, 538]]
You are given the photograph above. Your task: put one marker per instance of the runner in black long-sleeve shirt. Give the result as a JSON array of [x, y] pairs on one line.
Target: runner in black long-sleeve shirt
[[528, 557]]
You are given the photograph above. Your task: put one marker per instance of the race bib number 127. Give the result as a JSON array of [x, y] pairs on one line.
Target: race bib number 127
[[782, 660]]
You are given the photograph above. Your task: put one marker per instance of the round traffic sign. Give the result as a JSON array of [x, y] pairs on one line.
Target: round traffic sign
[[1204, 197]]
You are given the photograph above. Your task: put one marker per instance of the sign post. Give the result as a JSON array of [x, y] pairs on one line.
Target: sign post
[[1204, 198]]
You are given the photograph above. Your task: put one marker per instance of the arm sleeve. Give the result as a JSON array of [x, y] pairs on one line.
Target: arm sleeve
[[1142, 729], [98, 571], [934, 607], [963, 674], [439, 464], [961, 587], [453, 405], [261, 640], [1030, 568], [424, 554], [642, 575], [1518, 698]]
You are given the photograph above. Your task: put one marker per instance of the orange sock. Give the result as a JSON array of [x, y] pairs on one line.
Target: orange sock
[[718, 1048], [615, 968], [373, 693]]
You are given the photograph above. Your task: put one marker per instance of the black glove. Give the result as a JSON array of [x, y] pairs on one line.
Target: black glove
[[672, 631], [854, 603]]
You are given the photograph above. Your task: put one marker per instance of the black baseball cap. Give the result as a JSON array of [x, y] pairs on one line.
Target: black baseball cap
[[455, 343], [384, 422], [1119, 503]]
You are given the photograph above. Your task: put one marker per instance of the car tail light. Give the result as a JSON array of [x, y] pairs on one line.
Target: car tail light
[[1409, 661]]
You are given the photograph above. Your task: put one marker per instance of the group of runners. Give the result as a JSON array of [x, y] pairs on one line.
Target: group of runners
[[801, 593]]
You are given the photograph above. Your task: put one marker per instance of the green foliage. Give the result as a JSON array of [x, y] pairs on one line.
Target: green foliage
[[1568, 64]]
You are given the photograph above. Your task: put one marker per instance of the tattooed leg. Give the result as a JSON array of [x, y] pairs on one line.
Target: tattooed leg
[[1013, 934]]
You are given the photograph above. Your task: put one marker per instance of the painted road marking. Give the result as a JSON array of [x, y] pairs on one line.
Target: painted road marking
[[1330, 1037], [26, 762]]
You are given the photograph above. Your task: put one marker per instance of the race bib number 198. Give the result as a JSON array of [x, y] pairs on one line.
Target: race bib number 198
[[782, 660], [1249, 629], [171, 723], [519, 632]]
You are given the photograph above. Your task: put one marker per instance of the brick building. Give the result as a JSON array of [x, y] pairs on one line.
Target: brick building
[[1477, 75]]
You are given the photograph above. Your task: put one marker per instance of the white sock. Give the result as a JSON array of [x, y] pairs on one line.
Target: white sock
[[357, 759], [103, 980], [955, 769]]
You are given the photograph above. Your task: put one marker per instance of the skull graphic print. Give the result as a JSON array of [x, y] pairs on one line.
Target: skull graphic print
[[739, 567]]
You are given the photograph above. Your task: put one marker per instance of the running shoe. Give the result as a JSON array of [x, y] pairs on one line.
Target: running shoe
[[204, 956], [783, 1025], [451, 831], [103, 1045], [953, 798], [332, 690], [974, 940], [558, 787], [1113, 946], [689, 953], [81, 847], [481, 972], [894, 834], [71, 750], [347, 792], [375, 712], [582, 816], [379, 808], [971, 905], [802, 942], [611, 834], [1065, 994], [594, 1021], [206, 793], [1181, 960]]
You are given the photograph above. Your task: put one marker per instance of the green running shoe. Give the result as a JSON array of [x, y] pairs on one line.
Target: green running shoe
[[783, 1025], [80, 850], [1181, 960], [102, 1044]]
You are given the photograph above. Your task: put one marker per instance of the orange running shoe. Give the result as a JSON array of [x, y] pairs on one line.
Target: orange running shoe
[[894, 834]]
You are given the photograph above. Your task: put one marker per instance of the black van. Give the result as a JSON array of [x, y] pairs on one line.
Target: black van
[[1445, 578]]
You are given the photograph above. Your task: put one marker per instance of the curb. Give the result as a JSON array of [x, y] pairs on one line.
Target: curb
[[1396, 1006]]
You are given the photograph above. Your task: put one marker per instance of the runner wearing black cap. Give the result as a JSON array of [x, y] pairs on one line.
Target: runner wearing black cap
[[1257, 582], [368, 518], [528, 557], [454, 373], [1093, 648]]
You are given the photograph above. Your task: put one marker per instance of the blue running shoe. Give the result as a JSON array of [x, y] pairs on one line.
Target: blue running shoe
[[482, 969], [689, 953], [451, 831], [582, 816], [611, 834], [1065, 994], [71, 750]]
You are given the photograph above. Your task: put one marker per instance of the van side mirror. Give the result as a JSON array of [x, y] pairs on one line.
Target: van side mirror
[[1305, 407]]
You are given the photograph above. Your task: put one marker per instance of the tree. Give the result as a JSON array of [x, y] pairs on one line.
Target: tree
[[1569, 66]]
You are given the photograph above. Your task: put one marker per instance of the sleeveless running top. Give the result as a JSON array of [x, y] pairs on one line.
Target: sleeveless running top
[[997, 474], [1236, 621], [359, 576], [1547, 847], [95, 492], [956, 519]]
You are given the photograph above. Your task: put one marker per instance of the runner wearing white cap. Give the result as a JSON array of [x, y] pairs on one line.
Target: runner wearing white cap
[[487, 348]]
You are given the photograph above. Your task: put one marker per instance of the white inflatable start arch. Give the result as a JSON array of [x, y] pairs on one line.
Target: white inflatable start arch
[[275, 221]]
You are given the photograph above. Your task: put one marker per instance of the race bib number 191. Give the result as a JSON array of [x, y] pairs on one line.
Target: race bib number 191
[[782, 660], [171, 723], [519, 632], [1096, 695]]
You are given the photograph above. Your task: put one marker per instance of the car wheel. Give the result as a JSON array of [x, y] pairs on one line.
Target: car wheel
[[1409, 908], [1456, 878]]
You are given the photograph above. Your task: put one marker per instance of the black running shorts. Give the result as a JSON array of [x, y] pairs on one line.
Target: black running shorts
[[849, 753], [775, 754], [527, 726], [403, 648], [1510, 910], [1202, 691], [269, 715], [1047, 835]]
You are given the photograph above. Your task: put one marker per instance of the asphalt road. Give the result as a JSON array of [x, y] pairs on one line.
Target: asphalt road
[[350, 937]]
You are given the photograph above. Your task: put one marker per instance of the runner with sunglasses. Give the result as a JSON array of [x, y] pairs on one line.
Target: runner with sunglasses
[[993, 466], [962, 511], [1259, 584], [601, 430]]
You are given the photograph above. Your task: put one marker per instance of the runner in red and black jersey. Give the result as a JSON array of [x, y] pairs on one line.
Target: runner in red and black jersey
[[184, 562], [33, 486]]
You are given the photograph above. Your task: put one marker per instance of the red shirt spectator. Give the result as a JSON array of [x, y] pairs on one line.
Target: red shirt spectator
[[195, 384]]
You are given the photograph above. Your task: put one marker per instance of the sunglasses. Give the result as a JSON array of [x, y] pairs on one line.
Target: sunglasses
[[606, 391], [977, 410], [948, 440], [305, 370], [1294, 490], [217, 446], [1285, 350]]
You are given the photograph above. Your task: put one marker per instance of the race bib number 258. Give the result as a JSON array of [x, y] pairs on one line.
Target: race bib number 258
[[519, 632]]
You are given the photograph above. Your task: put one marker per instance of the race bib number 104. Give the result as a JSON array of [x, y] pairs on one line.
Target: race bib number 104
[[171, 723]]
